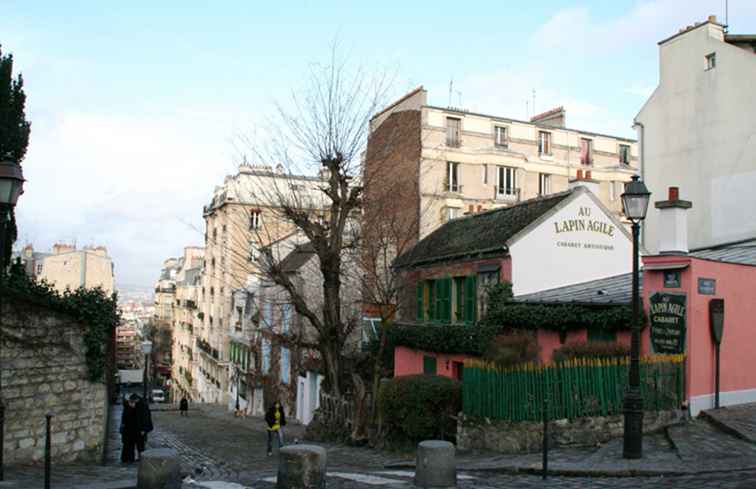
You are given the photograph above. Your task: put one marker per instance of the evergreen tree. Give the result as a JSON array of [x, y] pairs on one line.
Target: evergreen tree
[[14, 128]]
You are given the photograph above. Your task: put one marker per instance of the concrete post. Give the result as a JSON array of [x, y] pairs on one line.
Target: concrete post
[[301, 467], [159, 469], [436, 465]]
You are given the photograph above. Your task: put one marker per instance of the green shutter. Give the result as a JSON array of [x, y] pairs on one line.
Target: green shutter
[[432, 300], [419, 304], [470, 299], [443, 300], [459, 285], [429, 365]]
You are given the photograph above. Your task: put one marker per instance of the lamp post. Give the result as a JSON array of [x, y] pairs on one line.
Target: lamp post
[[146, 349], [635, 204], [11, 187]]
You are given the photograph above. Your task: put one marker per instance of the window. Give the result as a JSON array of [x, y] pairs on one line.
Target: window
[[429, 365], [452, 213], [500, 136], [268, 314], [285, 316], [443, 300], [544, 143], [612, 192], [285, 365], [453, 130], [452, 177], [255, 218], [254, 253], [486, 279], [485, 173], [505, 181], [624, 154], [586, 151], [465, 299], [672, 279], [711, 61], [601, 334], [544, 184], [265, 355]]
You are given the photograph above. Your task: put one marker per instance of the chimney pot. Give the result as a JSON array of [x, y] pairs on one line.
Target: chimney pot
[[580, 174], [674, 193], [588, 174], [713, 18]]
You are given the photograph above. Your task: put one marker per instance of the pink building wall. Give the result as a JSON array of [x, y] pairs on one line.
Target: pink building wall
[[736, 285], [410, 362]]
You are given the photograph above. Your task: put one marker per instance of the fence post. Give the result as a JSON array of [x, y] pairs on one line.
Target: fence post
[[48, 439], [545, 416]]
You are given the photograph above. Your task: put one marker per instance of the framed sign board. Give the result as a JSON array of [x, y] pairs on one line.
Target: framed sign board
[[667, 314]]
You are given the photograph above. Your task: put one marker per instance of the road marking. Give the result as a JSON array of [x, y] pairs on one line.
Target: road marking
[[220, 485], [411, 474], [365, 479]]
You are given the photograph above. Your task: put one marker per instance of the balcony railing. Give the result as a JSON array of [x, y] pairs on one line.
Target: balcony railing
[[512, 195]]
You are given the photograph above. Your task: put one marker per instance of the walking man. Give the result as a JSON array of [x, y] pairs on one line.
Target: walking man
[[276, 420], [184, 406], [130, 427], [145, 423]]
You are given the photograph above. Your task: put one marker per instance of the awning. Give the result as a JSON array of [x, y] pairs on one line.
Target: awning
[[666, 266]]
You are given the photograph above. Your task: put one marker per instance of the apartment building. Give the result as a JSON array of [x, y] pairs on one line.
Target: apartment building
[[426, 165], [184, 319], [697, 133], [128, 353], [243, 216], [67, 267]]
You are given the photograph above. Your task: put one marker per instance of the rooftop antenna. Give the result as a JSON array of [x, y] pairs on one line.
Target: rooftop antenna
[[534, 109], [727, 15], [451, 89], [459, 98], [527, 109]]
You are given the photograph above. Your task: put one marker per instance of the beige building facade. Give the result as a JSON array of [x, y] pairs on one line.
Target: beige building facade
[[461, 162], [184, 319], [243, 216], [70, 268]]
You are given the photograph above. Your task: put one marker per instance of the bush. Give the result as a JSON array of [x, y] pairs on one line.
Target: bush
[[512, 349], [420, 407], [595, 349]]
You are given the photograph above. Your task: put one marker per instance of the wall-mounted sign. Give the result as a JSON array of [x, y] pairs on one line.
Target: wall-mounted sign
[[707, 286], [667, 317], [672, 279]]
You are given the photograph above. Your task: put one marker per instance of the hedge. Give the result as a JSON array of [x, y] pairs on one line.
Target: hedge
[[420, 407]]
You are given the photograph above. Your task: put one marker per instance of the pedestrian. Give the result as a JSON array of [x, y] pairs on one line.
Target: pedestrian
[[130, 427], [184, 406], [276, 420], [145, 423]]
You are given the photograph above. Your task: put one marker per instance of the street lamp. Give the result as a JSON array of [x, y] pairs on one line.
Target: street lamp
[[146, 349], [635, 204], [11, 188]]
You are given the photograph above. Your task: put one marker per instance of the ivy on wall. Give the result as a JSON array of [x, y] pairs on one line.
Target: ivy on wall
[[91, 308], [504, 315]]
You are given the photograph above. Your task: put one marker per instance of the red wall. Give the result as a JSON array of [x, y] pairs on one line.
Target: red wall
[[410, 362], [736, 285]]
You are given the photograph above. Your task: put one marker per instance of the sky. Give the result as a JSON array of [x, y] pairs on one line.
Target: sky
[[137, 107]]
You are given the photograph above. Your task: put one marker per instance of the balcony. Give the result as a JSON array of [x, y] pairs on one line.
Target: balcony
[[507, 195]]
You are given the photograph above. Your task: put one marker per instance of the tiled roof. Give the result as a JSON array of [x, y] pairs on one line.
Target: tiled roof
[[609, 290], [743, 253], [474, 234], [618, 289]]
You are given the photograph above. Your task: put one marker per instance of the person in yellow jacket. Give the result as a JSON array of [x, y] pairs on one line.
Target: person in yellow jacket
[[276, 420]]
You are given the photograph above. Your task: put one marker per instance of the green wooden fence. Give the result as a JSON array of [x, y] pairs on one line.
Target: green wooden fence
[[572, 389]]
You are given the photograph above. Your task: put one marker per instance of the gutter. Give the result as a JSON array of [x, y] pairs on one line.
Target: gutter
[[426, 261]]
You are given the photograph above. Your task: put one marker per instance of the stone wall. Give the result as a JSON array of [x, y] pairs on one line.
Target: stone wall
[[44, 371], [522, 437]]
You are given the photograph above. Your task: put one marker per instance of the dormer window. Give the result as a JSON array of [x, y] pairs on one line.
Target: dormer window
[[544, 143], [500, 136], [453, 131]]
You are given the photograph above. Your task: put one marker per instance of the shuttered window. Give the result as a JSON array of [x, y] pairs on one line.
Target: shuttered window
[[443, 300], [429, 365], [470, 299]]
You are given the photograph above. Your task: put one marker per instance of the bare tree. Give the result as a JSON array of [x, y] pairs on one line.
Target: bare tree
[[322, 133]]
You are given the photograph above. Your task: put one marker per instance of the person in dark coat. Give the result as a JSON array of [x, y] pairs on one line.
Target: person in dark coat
[[145, 423], [184, 406], [130, 429], [276, 420]]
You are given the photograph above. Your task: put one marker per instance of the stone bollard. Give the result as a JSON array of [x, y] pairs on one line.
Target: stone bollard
[[301, 467], [159, 469], [436, 466]]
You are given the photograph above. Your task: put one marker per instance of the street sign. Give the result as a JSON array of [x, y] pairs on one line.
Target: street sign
[[716, 319], [667, 318]]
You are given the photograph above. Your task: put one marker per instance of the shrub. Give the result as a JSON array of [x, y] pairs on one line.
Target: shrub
[[595, 349], [420, 407], [512, 349]]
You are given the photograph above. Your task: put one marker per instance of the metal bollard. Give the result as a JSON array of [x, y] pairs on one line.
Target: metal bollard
[[48, 439]]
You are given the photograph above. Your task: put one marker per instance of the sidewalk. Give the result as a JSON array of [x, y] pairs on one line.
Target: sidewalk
[[696, 447]]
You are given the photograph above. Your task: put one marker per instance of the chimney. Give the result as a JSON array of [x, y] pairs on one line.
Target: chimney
[[584, 180], [555, 117], [673, 224]]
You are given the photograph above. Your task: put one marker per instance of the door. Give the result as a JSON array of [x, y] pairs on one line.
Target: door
[[301, 396]]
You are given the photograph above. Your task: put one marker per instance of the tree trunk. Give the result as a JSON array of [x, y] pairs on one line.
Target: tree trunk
[[359, 428]]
